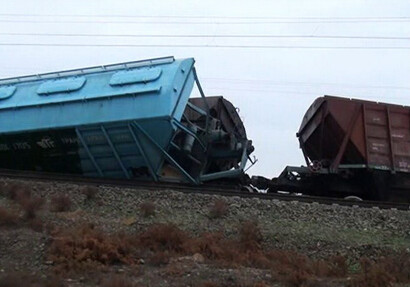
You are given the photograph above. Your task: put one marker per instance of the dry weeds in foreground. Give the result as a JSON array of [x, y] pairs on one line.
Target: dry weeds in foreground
[[83, 247]]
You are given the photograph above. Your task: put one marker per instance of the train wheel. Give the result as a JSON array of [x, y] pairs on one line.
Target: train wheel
[[353, 198]]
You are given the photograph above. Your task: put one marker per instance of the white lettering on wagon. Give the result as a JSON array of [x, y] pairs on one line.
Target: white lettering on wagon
[[378, 146], [4, 147], [400, 136], [94, 139], [72, 140], [21, 146], [46, 143], [403, 164]]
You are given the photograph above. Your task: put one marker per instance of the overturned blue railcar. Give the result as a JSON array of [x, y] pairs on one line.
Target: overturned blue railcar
[[128, 120]]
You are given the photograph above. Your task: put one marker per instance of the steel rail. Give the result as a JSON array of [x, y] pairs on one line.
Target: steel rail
[[222, 189]]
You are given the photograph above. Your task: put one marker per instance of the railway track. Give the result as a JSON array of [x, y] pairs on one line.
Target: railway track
[[222, 189]]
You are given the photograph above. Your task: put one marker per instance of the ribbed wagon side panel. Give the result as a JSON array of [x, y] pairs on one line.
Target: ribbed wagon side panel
[[356, 132]]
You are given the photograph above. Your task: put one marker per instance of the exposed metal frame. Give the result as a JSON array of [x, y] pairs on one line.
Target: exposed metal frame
[[229, 173], [143, 153], [198, 84], [335, 164], [392, 159], [87, 150], [188, 131], [164, 152], [116, 155]]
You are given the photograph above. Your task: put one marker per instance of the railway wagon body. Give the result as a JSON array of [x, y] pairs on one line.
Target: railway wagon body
[[129, 120], [353, 147]]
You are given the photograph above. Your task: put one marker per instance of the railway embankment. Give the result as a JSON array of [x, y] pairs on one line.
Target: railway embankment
[[44, 216]]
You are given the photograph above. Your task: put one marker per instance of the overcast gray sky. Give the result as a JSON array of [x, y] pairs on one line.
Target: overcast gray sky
[[355, 48]]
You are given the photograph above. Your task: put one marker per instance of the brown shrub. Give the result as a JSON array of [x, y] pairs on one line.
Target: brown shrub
[[85, 247], [212, 246], [60, 203], [21, 194], [164, 237], [338, 266], [218, 209], [36, 224], [90, 192], [53, 281], [15, 190], [372, 275], [20, 279], [160, 258], [398, 266], [30, 205], [296, 278], [250, 236], [384, 272], [174, 270], [7, 218], [209, 284], [117, 281], [147, 209], [14, 280]]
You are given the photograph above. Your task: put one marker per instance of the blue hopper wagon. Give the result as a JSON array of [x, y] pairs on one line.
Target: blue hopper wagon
[[128, 120]]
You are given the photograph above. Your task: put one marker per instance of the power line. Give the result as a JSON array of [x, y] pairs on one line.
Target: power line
[[205, 36], [210, 46], [303, 84], [285, 92], [199, 17], [215, 22]]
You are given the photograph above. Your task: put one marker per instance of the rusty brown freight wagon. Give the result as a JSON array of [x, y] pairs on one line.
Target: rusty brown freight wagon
[[352, 148]]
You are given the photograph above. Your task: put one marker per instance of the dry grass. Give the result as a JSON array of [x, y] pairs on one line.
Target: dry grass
[[31, 205], [250, 235], [218, 209], [7, 218], [82, 248], [85, 247], [164, 238], [231, 284], [90, 192], [60, 203], [117, 281], [20, 279], [384, 272], [22, 195], [147, 209], [14, 190]]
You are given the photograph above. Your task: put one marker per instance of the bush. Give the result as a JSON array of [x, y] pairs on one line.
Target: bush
[[384, 272], [85, 247], [60, 203], [250, 235], [20, 279], [31, 205], [7, 218], [14, 190], [147, 209], [218, 209], [372, 275], [117, 281], [90, 192], [164, 237]]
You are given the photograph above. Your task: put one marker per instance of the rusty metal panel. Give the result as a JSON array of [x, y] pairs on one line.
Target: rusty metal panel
[[347, 131]]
